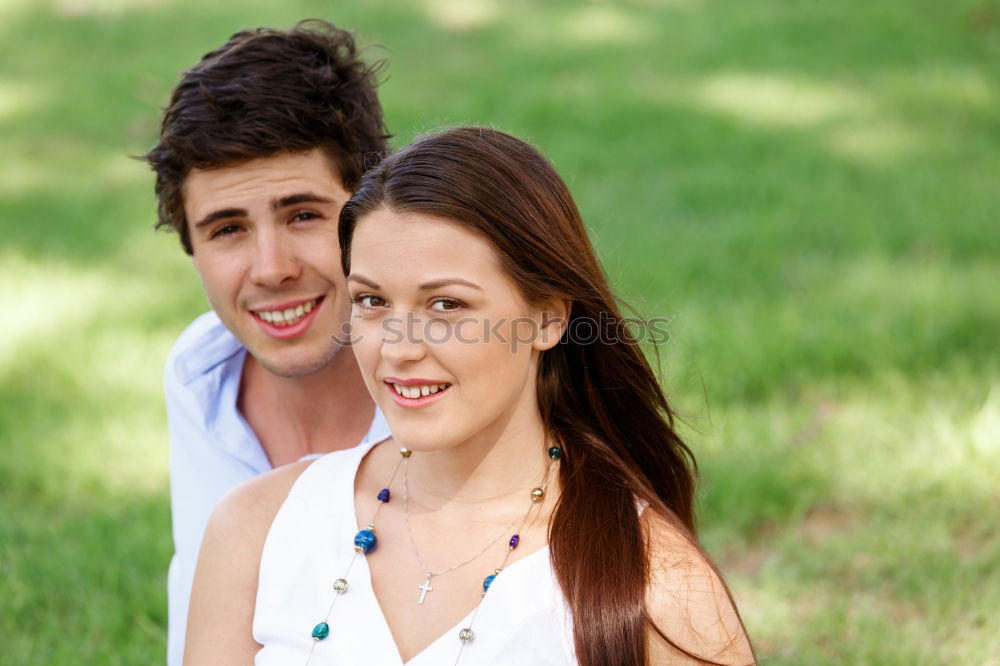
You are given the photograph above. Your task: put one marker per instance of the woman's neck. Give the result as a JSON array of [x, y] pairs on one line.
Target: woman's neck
[[489, 467]]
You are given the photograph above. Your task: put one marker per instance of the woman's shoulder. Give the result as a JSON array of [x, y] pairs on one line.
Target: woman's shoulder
[[254, 503], [245, 513], [688, 601], [225, 582]]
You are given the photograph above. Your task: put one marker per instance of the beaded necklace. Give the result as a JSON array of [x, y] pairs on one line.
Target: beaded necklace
[[365, 542]]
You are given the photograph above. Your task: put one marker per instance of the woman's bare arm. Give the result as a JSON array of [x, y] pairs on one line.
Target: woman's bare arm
[[220, 619]]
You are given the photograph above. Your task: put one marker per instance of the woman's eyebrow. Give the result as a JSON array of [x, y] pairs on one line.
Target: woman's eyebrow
[[363, 280], [433, 284], [444, 282]]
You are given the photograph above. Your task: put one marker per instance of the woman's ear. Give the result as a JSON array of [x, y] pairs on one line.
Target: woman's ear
[[552, 318]]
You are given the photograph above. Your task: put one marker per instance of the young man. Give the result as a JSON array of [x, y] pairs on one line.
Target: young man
[[261, 145]]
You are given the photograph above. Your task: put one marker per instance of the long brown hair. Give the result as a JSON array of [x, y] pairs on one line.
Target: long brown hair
[[599, 396]]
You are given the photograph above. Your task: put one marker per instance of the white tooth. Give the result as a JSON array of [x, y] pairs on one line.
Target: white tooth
[[399, 389], [277, 316], [307, 308], [289, 314], [268, 316], [434, 389], [442, 386], [299, 311], [414, 392], [425, 390]]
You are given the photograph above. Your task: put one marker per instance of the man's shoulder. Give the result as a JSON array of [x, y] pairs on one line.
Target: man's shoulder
[[203, 345]]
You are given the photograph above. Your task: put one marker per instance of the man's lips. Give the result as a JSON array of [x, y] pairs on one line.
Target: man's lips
[[288, 320], [286, 314]]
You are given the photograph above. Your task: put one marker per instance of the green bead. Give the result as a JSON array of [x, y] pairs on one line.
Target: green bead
[[555, 453]]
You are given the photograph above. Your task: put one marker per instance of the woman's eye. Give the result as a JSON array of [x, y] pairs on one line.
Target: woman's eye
[[369, 301], [445, 305]]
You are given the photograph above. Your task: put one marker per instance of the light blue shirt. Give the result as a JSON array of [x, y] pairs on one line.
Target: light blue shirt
[[212, 449]]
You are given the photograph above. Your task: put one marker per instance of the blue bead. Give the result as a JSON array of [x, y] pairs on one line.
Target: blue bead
[[555, 453], [383, 495], [365, 542], [488, 582], [321, 631], [514, 540]]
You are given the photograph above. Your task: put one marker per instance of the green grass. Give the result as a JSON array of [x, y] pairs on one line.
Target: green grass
[[807, 189]]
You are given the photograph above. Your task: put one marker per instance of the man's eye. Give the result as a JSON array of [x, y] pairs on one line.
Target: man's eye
[[304, 216], [227, 230], [445, 305]]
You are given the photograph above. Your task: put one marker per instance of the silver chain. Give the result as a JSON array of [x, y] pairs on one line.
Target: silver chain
[[413, 542]]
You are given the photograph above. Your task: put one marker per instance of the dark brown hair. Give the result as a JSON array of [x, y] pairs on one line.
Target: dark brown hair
[[602, 400], [266, 91]]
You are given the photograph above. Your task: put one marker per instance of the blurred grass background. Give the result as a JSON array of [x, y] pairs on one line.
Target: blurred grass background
[[807, 189]]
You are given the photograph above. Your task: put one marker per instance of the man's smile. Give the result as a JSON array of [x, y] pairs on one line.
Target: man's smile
[[287, 314]]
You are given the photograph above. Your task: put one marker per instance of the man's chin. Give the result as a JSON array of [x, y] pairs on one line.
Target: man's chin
[[298, 367]]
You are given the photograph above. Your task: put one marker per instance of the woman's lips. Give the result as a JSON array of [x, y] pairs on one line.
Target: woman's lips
[[413, 393]]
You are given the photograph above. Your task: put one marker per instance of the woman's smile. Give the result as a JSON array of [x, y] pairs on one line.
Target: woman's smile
[[414, 393]]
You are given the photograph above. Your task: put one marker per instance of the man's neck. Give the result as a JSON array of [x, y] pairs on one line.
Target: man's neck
[[327, 410]]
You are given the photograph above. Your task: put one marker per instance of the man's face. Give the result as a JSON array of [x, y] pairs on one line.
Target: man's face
[[264, 235]]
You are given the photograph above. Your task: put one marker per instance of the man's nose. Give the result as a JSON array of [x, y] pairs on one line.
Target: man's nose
[[275, 260]]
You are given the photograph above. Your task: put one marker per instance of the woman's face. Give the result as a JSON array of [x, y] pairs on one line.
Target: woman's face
[[447, 345]]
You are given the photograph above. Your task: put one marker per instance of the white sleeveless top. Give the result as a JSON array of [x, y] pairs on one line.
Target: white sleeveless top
[[523, 620]]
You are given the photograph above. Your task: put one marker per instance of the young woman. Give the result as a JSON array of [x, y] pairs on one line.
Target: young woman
[[534, 505]]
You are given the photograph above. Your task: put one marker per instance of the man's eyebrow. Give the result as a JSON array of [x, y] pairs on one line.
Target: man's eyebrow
[[295, 199], [223, 214]]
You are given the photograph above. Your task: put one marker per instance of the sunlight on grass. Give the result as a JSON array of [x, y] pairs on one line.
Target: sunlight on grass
[[35, 172], [821, 585], [118, 169], [80, 332], [52, 302], [962, 86], [133, 456], [102, 7], [18, 98], [771, 100], [929, 444], [871, 143], [14, 6], [984, 427], [604, 24], [671, 4], [850, 124], [460, 15]]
